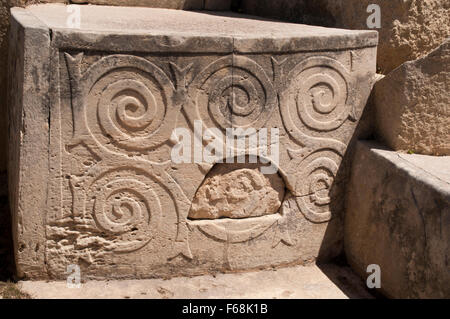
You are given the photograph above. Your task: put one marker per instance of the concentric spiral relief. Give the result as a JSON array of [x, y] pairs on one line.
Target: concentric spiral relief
[[232, 92], [317, 97], [126, 208], [314, 188], [127, 110], [126, 102], [132, 199]]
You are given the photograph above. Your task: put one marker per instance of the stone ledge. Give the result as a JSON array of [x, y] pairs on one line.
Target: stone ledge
[[142, 29], [288, 283], [398, 216]]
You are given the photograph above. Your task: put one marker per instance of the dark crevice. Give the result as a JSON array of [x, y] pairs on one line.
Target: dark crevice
[[7, 263]]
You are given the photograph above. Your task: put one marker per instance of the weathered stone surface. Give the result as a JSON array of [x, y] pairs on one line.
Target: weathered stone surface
[[5, 5], [311, 282], [409, 28], [398, 217], [28, 151], [412, 105], [237, 193], [93, 176]]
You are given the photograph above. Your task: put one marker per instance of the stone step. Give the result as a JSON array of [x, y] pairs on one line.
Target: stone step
[[312, 282], [398, 217], [102, 99]]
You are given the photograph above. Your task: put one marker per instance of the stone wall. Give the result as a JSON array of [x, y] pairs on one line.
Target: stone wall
[[6, 262], [4, 22], [227, 71], [409, 28], [409, 105], [412, 105], [398, 217]]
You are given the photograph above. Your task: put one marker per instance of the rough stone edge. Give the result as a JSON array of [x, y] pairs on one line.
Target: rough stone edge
[[389, 132], [409, 171], [140, 42], [354, 40], [406, 167], [144, 42], [176, 42], [28, 140]]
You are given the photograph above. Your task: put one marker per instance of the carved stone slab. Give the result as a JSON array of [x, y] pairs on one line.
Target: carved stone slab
[[95, 116]]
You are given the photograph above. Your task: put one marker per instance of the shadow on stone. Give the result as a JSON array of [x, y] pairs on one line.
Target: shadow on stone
[[6, 244], [332, 259]]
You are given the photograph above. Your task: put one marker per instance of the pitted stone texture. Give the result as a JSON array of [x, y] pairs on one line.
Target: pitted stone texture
[[398, 217], [96, 134], [311, 282], [412, 105], [409, 28], [237, 193]]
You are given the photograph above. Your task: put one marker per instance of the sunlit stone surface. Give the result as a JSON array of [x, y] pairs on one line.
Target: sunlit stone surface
[[93, 111]]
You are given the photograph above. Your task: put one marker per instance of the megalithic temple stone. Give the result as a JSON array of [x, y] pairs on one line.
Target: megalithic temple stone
[[96, 112]]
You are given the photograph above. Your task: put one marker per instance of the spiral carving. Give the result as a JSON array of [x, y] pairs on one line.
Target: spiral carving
[[314, 185], [127, 209], [232, 92], [127, 101], [317, 95], [128, 110]]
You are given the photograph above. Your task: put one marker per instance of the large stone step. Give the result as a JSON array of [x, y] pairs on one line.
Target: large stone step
[[103, 97], [398, 217]]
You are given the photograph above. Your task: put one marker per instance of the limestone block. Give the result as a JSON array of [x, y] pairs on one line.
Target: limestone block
[[409, 28], [398, 217], [412, 105], [99, 112]]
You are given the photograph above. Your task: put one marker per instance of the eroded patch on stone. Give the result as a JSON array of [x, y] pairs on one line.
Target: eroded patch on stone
[[239, 193]]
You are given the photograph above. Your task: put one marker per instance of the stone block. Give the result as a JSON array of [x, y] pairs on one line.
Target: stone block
[[97, 114], [412, 105], [398, 217]]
